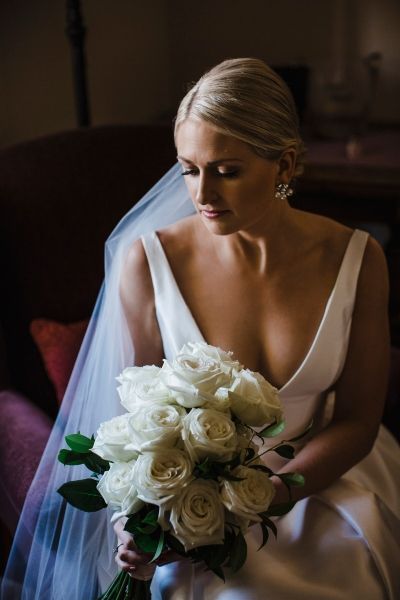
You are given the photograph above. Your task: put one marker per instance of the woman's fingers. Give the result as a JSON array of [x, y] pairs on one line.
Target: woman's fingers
[[126, 539], [135, 564], [168, 556], [126, 560], [128, 555]]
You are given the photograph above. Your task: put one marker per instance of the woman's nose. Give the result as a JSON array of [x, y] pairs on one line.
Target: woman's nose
[[204, 192]]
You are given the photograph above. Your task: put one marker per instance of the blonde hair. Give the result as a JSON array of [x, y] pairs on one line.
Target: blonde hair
[[246, 99]]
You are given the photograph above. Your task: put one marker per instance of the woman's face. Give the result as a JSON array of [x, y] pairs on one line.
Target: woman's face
[[231, 187]]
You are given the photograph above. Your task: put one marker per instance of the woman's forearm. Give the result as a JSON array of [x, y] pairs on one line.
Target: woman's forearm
[[326, 457]]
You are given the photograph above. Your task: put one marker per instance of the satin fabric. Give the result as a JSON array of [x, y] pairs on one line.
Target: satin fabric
[[341, 543]]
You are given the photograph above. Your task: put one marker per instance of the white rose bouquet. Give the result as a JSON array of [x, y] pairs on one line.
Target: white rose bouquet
[[181, 464]]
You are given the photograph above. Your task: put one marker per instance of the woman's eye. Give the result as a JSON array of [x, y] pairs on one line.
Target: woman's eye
[[189, 172], [229, 174]]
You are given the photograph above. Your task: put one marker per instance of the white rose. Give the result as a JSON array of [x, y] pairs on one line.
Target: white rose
[[245, 439], [209, 433], [248, 497], [197, 515], [112, 438], [253, 400], [207, 352], [196, 373], [141, 385], [155, 426], [119, 490], [161, 475]]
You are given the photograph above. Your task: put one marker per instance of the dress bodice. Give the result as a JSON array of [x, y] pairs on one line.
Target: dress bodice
[[352, 522], [302, 393]]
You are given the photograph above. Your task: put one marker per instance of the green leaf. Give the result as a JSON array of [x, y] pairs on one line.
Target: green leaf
[[216, 470], [83, 494], [262, 468], [265, 534], [95, 463], [285, 450], [146, 543], [238, 552], [303, 434], [69, 457], [91, 460], [174, 544], [160, 546], [216, 554], [269, 524], [277, 510], [134, 521], [151, 517], [218, 571], [79, 442], [273, 430], [293, 479], [148, 529], [250, 453]]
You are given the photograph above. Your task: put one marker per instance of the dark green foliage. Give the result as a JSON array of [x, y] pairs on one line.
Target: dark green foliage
[[83, 494]]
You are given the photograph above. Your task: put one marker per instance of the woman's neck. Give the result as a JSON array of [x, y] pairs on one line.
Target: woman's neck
[[264, 246]]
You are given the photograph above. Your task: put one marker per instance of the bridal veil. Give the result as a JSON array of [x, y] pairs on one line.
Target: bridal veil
[[59, 551]]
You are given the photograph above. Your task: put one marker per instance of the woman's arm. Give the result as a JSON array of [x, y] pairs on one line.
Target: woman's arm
[[137, 296], [360, 390]]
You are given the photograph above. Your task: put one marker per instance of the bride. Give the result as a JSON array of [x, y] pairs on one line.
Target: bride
[[296, 296]]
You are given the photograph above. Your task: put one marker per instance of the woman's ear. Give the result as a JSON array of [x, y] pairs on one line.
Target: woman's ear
[[286, 165]]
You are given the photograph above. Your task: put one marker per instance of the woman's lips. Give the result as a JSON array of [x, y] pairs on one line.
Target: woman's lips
[[214, 214]]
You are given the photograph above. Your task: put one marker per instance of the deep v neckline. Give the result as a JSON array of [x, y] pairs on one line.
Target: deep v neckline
[[169, 276]]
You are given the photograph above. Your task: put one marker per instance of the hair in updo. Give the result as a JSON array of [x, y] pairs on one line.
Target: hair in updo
[[246, 99]]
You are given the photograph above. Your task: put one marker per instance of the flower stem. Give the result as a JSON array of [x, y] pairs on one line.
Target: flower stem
[[119, 589], [121, 592], [271, 449], [124, 587]]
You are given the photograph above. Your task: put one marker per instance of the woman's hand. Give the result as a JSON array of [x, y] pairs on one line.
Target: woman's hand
[[129, 558], [132, 560]]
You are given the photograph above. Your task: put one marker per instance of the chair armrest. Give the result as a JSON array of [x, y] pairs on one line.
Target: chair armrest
[[24, 431]]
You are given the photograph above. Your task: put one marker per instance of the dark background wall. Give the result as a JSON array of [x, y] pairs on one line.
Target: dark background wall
[[141, 54]]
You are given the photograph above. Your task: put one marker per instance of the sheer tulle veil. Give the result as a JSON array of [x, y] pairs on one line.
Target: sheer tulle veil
[[60, 552]]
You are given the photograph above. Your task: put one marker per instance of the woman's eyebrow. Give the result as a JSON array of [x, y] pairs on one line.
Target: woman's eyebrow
[[213, 162]]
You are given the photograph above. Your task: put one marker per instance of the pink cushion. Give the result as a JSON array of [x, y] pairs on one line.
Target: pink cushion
[[59, 345]]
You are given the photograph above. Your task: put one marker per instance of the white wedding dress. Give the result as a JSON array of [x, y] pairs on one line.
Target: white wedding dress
[[342, 543]]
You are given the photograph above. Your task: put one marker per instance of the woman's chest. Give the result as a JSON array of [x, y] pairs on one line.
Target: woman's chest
[[269, 325]]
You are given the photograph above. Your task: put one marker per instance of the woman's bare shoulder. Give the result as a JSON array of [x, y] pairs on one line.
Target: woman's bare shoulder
[[135, 264], [322, 237], [324, 228], [180, 236], [335, 237]]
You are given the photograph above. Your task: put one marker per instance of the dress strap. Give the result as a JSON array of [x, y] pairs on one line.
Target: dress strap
[[346, 283], [175, 320], [158, 264]]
